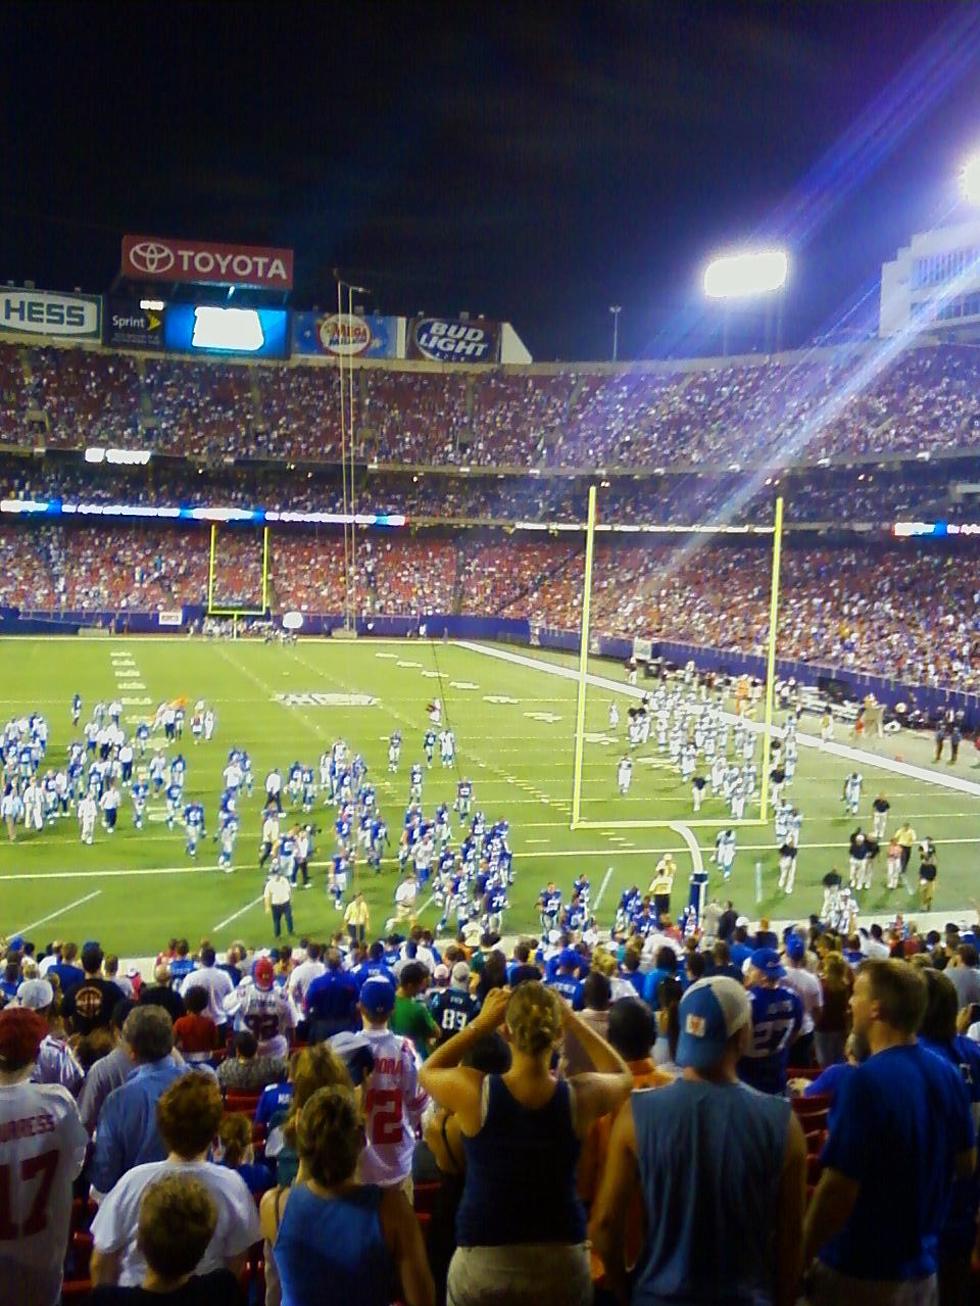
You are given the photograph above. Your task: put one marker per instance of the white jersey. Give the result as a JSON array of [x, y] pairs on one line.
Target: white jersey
[[393, 1106], [268, 1014], [42, 1150]]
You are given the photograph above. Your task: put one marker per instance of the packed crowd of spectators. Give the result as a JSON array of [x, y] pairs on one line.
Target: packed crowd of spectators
[[427, 1122], [900, 610], [795, 408], [838, 496]]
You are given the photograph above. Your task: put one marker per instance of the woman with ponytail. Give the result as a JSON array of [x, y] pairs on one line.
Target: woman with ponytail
[[520, 1229]]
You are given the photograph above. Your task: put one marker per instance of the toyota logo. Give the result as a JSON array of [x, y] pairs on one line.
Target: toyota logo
[[151, 257]]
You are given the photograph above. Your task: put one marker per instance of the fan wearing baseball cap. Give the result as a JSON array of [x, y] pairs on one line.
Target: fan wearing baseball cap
[[777, 1017], [720, 1170], [42, 1150], [262, 1007], [394, 1102]]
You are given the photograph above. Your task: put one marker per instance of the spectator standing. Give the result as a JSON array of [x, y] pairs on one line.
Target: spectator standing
[[901, 1131], [304, 974], [260, 1006], [777, 1015], [89, 1004], [331, 1230], [55, 1063], [195, 1033], [808, 989], [39, 1164], [411, 1017], [963, 974], [832, 1024], [454, 1006], [177, 1221], [720, 1171], [521, 1227], [393, 1099], [331, 1000], [67, 969], [188, 1116], [161, 994], [126, 1133], [216, 983]]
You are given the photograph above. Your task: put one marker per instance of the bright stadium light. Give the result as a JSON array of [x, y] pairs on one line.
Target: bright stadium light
[[970, 179], [746, 274]]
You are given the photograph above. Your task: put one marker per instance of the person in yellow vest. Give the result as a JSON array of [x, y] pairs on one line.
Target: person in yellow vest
[[663, 883], [357, 918]]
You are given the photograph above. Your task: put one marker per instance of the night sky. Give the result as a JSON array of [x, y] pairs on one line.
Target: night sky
[[536, 162]]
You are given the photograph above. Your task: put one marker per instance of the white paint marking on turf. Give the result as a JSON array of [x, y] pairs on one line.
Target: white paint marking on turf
[[602, 887], [235, 915], [537, 841], [53, 915]]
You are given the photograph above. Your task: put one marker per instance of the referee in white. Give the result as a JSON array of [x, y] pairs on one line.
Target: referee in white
[[279, 900]]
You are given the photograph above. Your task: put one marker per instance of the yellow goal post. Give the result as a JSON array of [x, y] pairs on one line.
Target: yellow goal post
[[775, 530]]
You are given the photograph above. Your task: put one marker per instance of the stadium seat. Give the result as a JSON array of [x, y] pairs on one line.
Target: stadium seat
[[244, 1102]]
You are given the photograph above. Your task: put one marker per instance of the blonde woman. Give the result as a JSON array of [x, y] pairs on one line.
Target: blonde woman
[[521, 1227]]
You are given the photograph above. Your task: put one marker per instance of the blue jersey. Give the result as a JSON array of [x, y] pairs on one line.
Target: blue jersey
[[496, 900], [342, 827], [194, 815], [550, 902], [777, 1015], [141, 792], [174, 794], [415, 775]]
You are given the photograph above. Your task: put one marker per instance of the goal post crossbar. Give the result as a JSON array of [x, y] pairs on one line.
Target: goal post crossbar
[[577, 822]]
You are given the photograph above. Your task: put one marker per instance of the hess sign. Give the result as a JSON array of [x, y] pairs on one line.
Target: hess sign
[[160, 258]]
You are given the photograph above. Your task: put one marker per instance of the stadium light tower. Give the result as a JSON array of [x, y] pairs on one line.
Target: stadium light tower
[[747, 275], [970, 179], [615, 309]]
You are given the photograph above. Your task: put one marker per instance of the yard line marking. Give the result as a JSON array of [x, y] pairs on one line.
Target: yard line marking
[[602, 887], [537, 841], [133, 873], [60, 912], [235, 915], [944, 781]]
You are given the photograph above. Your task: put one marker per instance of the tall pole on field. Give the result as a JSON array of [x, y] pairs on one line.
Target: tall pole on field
[[583, 661], [777, 551]]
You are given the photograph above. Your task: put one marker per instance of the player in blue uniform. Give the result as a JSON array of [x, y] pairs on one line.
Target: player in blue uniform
[[379, 844], [415, 781], [309, 789], [175, 796], [139, 794], [549, 906], [193, 826], [464, 798], [394, 750], [429, 745], [76, 709]]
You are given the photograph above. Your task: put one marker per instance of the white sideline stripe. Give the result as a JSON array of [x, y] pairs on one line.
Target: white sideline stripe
[[235, 915], [53, 915], [807, 741], [602, 887]]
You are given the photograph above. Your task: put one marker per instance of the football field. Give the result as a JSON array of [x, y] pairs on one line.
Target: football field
[[514, 723]]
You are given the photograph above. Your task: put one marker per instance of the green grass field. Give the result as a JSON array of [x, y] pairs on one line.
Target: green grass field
[[514, 726]]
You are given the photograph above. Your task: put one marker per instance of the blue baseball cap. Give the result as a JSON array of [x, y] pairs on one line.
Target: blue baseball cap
[[767, 960], [796, 947], [569, 958], [377, 996], [711, 1011]]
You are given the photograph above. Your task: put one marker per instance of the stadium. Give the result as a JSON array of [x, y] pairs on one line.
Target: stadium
[[410, 746]]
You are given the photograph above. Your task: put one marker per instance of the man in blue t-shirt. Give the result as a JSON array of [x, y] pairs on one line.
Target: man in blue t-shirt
[[565, 982], [777, 1015], [901, 1132]]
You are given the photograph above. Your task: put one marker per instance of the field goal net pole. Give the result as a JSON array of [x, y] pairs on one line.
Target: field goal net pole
[[224, 610], [576, 820]]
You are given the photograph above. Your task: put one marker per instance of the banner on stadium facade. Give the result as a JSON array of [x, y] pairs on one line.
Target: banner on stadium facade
[[451, 340], [642, 649], [162, 258], [48, 313], [127, 326], [345, 335], [170, 617]]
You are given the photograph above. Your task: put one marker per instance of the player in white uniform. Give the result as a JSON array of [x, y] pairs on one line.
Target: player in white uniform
[[613, 715], [42, 1150], [852, 792], [209, 724], [718, 769], [447, 747], [624, 774], [33, 801], [725, 849]]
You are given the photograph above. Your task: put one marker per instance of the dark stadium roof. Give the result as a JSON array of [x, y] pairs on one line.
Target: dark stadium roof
[[536, 163]]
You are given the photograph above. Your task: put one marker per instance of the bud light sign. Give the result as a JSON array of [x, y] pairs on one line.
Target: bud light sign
[[449, 341]]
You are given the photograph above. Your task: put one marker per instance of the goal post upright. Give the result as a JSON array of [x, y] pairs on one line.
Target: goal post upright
[[583, 662], [211, 558], [577, 821], [265, 569], [777, 551]]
